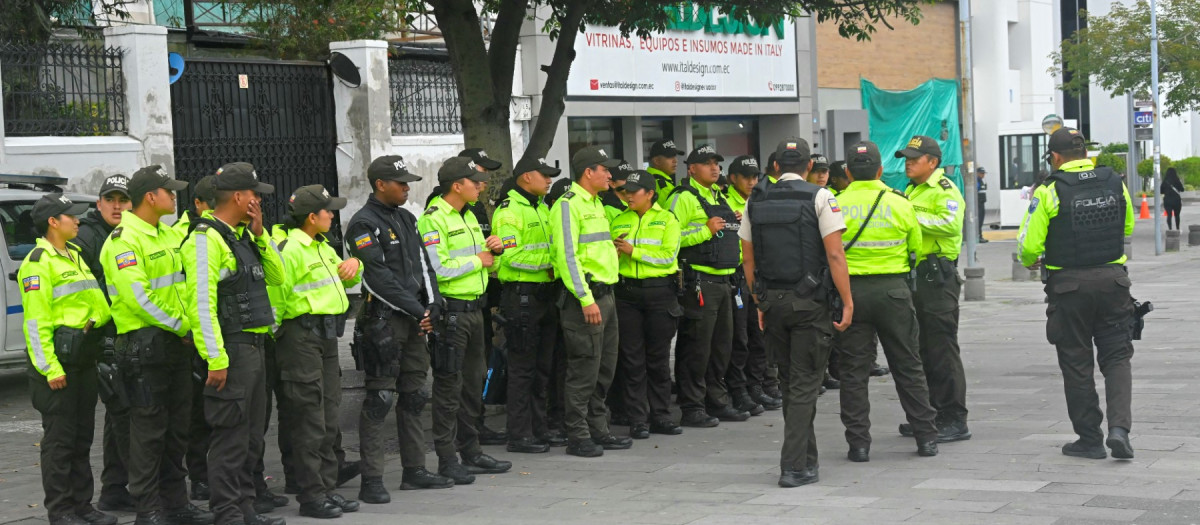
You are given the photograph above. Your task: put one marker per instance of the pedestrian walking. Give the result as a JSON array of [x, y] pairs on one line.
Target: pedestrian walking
[[1172, 192]]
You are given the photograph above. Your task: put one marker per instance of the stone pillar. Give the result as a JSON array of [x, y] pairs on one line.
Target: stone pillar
[[973, 290], [1194, 235], [147, 91], [1172, 241], [1129, 248], [363, 119], [1019, 271]]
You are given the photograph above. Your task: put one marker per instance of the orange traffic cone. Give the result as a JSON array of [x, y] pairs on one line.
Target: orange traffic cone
[[1145, 212]]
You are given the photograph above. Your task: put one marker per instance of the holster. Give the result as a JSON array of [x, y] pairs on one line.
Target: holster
[[139, 352], [111, 387], [446, 357], [377, 345], [324, 326], [76, 348]]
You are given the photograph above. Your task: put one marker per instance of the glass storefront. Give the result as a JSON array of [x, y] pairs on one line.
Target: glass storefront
[[732, 136], [586, 131], [1022, 160]]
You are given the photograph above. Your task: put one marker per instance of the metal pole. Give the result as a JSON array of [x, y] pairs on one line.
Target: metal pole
[[1159, 247], [1131, 177], [968, 168]]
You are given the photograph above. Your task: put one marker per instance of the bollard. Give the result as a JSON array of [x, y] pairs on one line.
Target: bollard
[[973, 289], [1129, 248], [1172, 240], [1194, 235], [1019, 271]]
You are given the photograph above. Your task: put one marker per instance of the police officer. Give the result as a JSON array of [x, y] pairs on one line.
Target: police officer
[[526, 273], [586, 261], [939, 207], [883, 232], [198, 430], [981, 200], [708, 256], [460, 256], [229, 260], [647, 241], [313, 302], [792, 238], [748, 370], [612, 198], [65, 316], [1079, 220], [399, 290], [664, 159], [838, 181], [142, 265], [819, 174], [94, 228]]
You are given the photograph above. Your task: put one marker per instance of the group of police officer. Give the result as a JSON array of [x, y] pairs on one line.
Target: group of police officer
[[757, 283]]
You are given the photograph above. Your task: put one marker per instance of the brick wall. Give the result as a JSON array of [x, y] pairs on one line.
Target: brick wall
[[897, 59]]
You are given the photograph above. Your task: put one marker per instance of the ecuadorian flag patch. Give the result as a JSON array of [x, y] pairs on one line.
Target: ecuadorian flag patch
[[431, 238], [833, 206], [362, 241], [126, 260], [32, 283], [510, 242]]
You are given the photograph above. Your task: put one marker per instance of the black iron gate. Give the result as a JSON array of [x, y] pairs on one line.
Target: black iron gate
[[275, 115]]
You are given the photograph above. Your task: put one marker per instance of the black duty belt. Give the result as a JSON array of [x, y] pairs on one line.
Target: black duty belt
[[600, 289], [462, 305], [525, 288], [245, 338], [652, 282], [324, 325], [710, 278]]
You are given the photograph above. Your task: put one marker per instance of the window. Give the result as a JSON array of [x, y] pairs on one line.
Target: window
[[604, 132], [18, 228], [732, 136], [1021, 162]]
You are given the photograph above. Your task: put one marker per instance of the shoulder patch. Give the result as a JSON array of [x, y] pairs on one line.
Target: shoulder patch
[[1033, 204], [568, 195], [116, 233], [431, 210], [36, 254], [125, 260], [504, 203], [362, 241], [900, 193], [510, 242], [203, 227], [31, 283], [431, 238], [833, 205], [945, 184]]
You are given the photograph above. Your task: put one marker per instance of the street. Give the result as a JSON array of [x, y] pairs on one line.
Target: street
[[1011, 471]]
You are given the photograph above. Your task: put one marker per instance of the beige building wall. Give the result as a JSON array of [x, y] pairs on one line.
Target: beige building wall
[[897, 59]]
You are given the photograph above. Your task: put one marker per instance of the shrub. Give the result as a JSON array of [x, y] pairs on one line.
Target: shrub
[[1116, 162], [1116, 147], [1145, 168], [1189, 170]]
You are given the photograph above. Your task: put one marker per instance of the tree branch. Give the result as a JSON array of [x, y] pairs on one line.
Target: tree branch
[[555, 91], [502, 54]]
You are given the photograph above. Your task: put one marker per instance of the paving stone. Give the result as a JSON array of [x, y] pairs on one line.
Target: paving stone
[[1071, 511], [973, 518], [996, 485], [1154, 492]]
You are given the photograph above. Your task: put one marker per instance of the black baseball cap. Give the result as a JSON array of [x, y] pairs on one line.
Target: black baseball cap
[[1066, 139], [837, 169], [53, 205], [665, 148], [920, 145], [151, 178], [539, 165], [557, 190], [622, 171], [591, 156], [113, 183], [238, 176], [481, 158], [313, 198], [390, 167], [792, 150], [703, 153], [980, 170], [204, 189], [639, 179], [745, 165], [864, 153], [819, 162], [455, 168]]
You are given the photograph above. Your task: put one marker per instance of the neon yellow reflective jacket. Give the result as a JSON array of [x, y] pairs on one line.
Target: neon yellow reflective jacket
[[583, 248], [655, 240], [144, 273], [56, 291], [275, 293], [1044, 205], [693, 222], [525, 232], [310, 279], [664, 184], [208, 259], [453, 240], [940, 208], [888, 238]]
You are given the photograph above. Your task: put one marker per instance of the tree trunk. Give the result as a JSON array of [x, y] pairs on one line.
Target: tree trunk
[[555, 91], [482, 100]]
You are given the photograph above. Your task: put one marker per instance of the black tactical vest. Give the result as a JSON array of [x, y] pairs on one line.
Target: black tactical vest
[[786, 233], [723, 250], [242, 301], [1089, 229]]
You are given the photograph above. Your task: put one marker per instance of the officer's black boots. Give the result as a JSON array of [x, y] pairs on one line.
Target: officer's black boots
[[611, 442], [419, 478], [796, 478], [699, 419], [830, 383], [906, 430], [555, 437], [451, 468], [859, 455], [154, 517], [372, 491], [527, 445], [262, 519], [639, 431], [95, 517], [773, 391], [484, 464], [729, 413], [1079, 449], [348, 471], [927, 449], [200, 491], [342, 503], [1118, 441], [953, 431], [68, 519], [742, 402], [190, 515], [880, 371], [320, 509], [584, 448], [665, 426], [759, 396], [123, 502], [488, 436], [267, 501]]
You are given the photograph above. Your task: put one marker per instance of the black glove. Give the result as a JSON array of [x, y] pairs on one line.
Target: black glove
[[435, 312]]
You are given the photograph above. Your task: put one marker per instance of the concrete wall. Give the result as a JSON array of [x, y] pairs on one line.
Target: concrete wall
[[87, 161]]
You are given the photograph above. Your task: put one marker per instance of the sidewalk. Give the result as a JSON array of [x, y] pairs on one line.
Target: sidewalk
[[1010, 472]]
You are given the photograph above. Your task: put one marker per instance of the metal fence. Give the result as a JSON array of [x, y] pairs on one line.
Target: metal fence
[[424, 97], [62, 89]]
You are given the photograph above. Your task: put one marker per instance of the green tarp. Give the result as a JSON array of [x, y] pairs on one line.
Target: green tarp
[[930, 109]]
